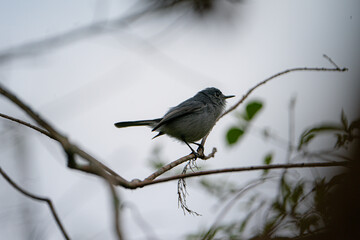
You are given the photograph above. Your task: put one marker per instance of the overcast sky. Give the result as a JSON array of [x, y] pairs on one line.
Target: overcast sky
[[138, 71]]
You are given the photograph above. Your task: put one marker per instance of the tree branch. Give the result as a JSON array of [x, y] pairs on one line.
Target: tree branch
[[243, 169], [68, 147], [100, 169], [27, 124], [35, 197], [70, 36], [94, 167], [336, 69], [177, 162], [116, 206]]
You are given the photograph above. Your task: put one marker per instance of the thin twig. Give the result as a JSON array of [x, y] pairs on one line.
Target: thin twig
[[182, 189], [27, 124], [35, 197], [331, 61]]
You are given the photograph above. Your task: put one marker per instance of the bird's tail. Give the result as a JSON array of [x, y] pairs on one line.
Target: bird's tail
[[150, 123]]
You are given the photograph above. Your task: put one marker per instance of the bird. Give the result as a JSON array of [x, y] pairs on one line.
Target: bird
[[189, 121]]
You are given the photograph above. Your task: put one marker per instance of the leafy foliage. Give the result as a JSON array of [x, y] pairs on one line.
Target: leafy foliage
[[301, 207], [235, 133], [343, 132]]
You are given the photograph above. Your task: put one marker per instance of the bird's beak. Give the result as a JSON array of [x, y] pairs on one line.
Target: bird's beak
[[230, 96]]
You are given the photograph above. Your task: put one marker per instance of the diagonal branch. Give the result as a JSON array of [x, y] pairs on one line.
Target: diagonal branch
[[83, 32], [27, 124], [35, 197], [68, 147], [177, 162]]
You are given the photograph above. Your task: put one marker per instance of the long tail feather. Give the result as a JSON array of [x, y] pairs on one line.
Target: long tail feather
[[137, 123]]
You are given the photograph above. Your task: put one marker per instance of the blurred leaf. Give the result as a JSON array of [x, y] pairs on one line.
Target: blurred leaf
[[285, 187], [156, 164], [155, 160], [268, 158], [278, 207], [342, 140], [210, 234], [306, 139], [233, 135], [297, 193], [306, 223], [354, 125], [309, 134], [344, 120], [268, 228], [337, 179], [218, 188], [252, 109], [245, 221]]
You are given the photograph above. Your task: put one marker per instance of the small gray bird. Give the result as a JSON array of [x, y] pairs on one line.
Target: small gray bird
[[189, 121]]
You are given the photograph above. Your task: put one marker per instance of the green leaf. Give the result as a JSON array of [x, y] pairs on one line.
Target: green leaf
[[297, 192], [285, 188], [268, 158], [252, 109], [309, 134], [233, 135]]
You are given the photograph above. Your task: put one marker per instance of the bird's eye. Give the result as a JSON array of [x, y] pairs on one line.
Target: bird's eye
[[217, 94]]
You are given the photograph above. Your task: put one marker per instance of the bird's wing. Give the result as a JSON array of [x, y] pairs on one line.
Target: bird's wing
[[183, 109]]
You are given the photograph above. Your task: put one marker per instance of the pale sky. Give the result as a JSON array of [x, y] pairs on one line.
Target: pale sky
[[139, 72]]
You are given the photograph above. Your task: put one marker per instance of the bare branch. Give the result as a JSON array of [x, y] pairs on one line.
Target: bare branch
[[51, 130], [71, 36], [116, 205], [169, 166], [27, 124], [35, 197], [177, 162], [71, 149], [94, 167], [337, 69], [118, 180], [243, 169], [100, 169]]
